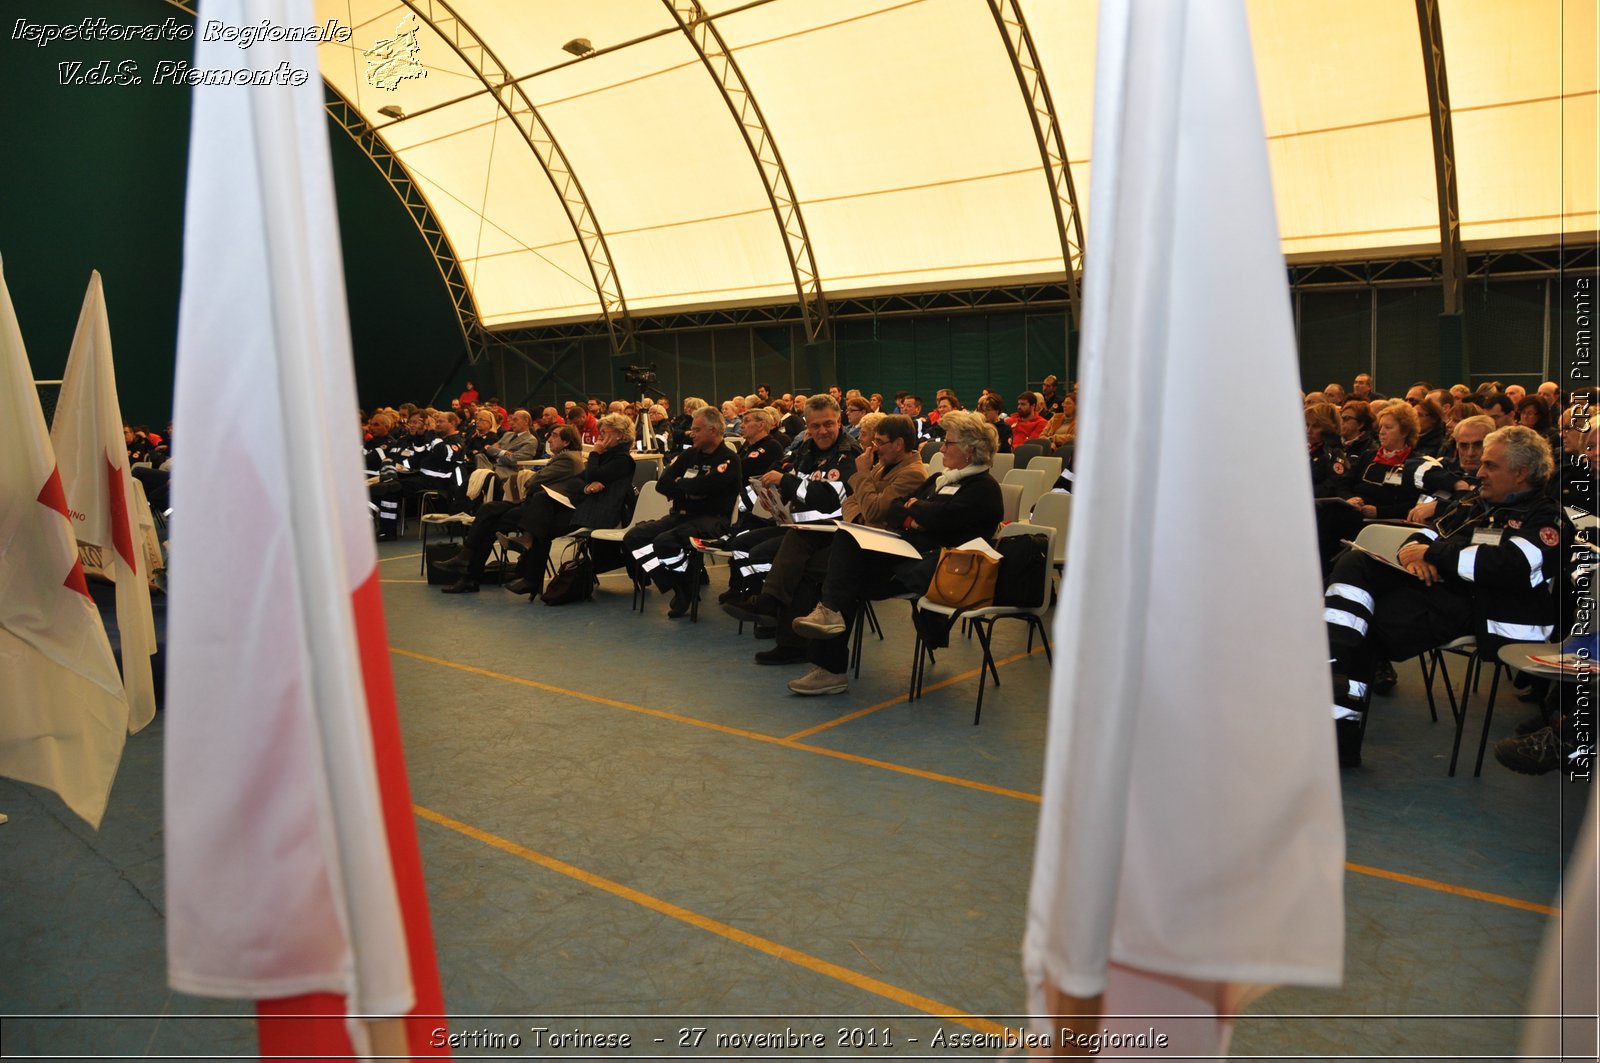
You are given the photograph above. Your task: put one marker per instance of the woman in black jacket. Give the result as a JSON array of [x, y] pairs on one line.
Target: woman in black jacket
[[607, 487]]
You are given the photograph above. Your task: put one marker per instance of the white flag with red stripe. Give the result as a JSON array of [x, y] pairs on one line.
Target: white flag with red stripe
[[292, 866], [63, 714], [1190, 831], [93, 457]]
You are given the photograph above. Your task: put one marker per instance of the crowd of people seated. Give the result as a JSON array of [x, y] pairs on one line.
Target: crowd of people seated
[[1486, 476], [1488, 479]]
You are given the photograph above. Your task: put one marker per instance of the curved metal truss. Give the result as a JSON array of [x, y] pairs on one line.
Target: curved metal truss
[[1452, 252], [348, 118], [724, 69], [1047, 131], [394, 171], [542, 142]]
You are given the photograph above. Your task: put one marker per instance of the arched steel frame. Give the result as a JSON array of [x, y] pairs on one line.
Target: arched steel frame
[[1452, 254], [1047, 131], [516, 105], [395, 173], [718, 60]]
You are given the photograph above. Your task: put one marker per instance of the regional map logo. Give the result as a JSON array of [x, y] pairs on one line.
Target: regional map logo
[[395, 60]]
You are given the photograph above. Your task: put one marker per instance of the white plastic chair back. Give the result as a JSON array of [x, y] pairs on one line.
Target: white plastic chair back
[[1051, 466], [1384, 539], [1034, 483], [1011, 498], [652, 505], [1054, 510], [936, 463], [1003, 463]]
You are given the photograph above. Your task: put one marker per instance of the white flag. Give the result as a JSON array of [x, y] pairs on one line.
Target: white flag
[[93, 457], [63, 715], [280, 872], [1191, 824]]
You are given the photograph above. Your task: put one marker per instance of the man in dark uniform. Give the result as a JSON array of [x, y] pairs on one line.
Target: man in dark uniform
[[702, 483], [764, 448], [1446, 481], [443, 464], [813, 477], [1486, 566]]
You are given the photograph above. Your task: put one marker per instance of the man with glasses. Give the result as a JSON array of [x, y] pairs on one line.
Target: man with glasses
[[1362, 388], [1448, 480]]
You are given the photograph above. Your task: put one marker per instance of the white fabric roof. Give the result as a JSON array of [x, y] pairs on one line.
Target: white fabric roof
[[909, 145]]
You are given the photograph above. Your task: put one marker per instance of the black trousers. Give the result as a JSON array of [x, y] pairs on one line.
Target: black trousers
[[1374, 612], [854, 575], [545, 520], [658, 551]]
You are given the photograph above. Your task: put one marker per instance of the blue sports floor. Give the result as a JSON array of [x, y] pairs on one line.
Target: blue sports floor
[[628, 827]]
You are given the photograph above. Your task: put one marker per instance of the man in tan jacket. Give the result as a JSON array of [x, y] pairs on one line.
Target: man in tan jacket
[[886, 471]]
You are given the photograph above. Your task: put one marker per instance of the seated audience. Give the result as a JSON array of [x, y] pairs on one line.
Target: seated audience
[[1483, 567], [560, 474], [701, 483], [604, 489], [961, 503]]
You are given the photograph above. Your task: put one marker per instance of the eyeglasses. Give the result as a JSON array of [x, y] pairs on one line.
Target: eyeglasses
[[1463, 445]]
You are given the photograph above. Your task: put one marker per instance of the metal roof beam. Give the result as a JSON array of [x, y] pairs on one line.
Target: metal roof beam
[[1047, 132], [516, 105], [717, 58]]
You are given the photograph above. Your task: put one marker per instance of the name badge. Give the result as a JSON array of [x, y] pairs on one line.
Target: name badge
[[1394, 477], [1487, 537], [690, 474], [950, 490]]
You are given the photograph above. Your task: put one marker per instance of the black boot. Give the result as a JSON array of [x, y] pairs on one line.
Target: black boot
[[461, 586]]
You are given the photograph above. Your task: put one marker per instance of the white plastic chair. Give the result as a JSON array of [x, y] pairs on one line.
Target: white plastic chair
[[1049, 465], [936, 463], [1034, 482], [651, 505], [1054, 510], [1002, 464], [983, 619], [1011, 502]]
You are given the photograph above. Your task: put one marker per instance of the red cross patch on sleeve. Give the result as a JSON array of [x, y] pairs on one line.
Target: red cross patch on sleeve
[[723, 467], [1549, 536]]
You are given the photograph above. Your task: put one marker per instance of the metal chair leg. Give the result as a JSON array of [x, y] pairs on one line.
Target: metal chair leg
[[1458, 709], [1488, 717]]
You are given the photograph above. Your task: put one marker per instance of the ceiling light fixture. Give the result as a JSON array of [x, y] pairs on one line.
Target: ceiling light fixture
[[392, 111], [579, 46]]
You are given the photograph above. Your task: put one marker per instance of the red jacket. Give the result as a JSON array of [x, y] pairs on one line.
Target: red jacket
[[1023, 430]]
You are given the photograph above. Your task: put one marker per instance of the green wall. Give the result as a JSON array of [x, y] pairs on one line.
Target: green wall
[[94, 179]]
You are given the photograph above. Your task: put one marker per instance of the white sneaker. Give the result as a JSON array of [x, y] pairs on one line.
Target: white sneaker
[[820, 681], [820, 623]]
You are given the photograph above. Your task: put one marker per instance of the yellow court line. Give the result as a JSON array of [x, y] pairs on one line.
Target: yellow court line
[[402, 581], [1445, 887], [738, 732], [932, 776], [900, 699], [926, 1005]]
